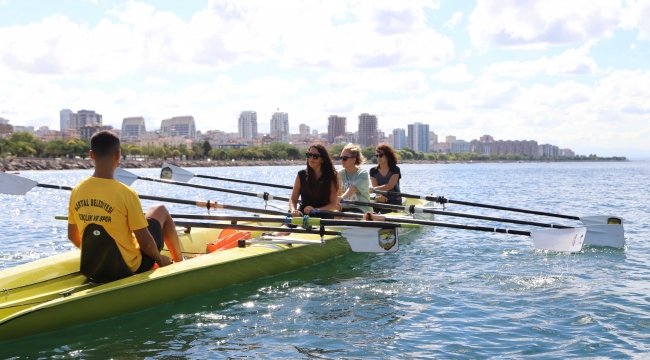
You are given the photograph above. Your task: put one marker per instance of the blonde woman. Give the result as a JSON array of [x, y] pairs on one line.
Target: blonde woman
[[355, 183]]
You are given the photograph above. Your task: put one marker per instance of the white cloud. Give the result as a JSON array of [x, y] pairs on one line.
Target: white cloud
[[377, 81], [138, 37], [156, 81], [637, 15], [633, 47], [540, 23], [453, 74], [569, 62], [455, 18]]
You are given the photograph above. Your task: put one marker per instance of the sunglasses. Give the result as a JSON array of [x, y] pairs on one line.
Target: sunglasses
[[310, 155], [345, 158], [379, 155]]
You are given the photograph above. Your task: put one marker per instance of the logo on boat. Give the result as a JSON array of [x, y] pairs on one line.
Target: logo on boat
[[387, 238], [166, 173]]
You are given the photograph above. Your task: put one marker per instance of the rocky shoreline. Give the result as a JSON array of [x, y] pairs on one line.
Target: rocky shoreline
[[81, 164], [24, 164]]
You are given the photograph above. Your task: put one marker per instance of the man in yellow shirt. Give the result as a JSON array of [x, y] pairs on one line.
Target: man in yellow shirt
[[115, 207]]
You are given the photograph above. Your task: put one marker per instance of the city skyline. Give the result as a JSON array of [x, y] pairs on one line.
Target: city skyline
[[574, 75]]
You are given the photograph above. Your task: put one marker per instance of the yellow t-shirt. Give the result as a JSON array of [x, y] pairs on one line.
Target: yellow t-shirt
[[114, 206]]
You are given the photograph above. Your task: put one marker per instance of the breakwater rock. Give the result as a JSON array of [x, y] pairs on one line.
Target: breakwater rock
[[24, 164]]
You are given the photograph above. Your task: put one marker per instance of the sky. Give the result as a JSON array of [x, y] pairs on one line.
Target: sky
[[575, 73]]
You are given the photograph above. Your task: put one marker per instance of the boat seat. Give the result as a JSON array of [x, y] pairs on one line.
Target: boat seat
[[101, 260]]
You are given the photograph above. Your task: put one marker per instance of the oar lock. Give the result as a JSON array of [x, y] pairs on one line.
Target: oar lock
[[266, 196]]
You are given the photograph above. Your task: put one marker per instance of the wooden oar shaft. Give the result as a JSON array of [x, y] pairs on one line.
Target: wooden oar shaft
[[265, 196], [453, 214], [436, 223], [244, 181], [443, 200]]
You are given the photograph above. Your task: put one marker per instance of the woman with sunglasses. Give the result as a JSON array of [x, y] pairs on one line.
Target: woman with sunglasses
[[317, 186], [386, 175], [354, 180]]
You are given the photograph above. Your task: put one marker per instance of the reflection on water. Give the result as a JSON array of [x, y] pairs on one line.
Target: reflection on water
[[448, 293]]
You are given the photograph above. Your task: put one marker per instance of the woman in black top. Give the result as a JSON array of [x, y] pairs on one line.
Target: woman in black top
[[386, 175], [317, 186]]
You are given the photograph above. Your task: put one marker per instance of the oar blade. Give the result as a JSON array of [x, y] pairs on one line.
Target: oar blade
[[564, 240], [372, 240], [171, 172], [605, 235], [601, 220], [15, 185], [125, 177]]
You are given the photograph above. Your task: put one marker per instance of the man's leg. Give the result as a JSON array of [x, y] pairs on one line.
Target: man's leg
[[160, 213]]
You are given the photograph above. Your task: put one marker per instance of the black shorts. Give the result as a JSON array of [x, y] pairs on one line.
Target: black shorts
[[156, 232]]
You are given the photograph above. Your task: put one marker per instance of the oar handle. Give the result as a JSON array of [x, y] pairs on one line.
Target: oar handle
[[244, 181], [265, 195]]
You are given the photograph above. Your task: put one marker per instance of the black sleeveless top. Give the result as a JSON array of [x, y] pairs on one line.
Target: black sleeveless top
[[305, 198], [383, 180]]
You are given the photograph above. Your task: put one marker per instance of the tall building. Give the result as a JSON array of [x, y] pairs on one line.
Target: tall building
[[367, 130], [87, 131], [304, 131], [399, 139], [335, 127], [133, 128], [280, 126], [248, 125], [182, 126], [418, 137], [83, 118], [64, 118], [450, 139]]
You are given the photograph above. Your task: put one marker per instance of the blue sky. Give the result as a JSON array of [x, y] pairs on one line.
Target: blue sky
[[570, 73]]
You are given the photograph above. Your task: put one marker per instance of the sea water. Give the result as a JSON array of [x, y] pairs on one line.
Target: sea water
[[448, 293]]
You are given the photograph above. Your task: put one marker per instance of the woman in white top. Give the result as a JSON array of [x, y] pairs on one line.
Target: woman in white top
[[354, 180]]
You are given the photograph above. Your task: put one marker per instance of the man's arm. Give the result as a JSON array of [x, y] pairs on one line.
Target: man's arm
[[148, 246], [73, 235]]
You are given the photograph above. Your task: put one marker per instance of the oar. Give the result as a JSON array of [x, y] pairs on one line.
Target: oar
[[16, 185], [305, 221], [601, 230], [417, 209], [564, 240], [128, 178], [361, 239], [172, 172], [597, 234]]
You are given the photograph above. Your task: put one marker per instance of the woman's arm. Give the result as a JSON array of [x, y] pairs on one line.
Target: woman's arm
[[391, 184], [293, 201], [349, 192]]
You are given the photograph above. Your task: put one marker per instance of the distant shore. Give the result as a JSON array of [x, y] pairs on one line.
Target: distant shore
[[24, 164]]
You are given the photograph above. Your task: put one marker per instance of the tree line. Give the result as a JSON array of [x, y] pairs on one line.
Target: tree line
[[23, 144]]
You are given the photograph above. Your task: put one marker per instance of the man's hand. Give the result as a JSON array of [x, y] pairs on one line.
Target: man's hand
[[164, 261]]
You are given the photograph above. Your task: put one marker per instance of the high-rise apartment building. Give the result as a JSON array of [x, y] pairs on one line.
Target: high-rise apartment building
[[450, 139], [335, 127], [248, 125], [280, 126], [399, 139], [132, 128], [182, 126], [83, 118], [304, 131], [418, 137], [64, 118], [367, 130]]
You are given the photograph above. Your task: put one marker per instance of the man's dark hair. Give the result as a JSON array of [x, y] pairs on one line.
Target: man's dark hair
[[104, 144]]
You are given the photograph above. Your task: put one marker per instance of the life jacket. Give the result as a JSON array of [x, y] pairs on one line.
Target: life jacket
[[101, 260]]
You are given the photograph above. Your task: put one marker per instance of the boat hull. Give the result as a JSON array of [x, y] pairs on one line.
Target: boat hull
[[51, 294]]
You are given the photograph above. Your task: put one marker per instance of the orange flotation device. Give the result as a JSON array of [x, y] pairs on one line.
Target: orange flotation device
[[227, 240]]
